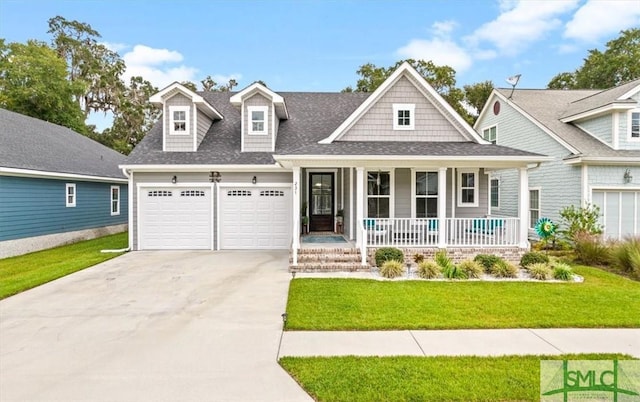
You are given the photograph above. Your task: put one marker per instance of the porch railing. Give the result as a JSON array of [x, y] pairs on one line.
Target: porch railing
[[425, 232]]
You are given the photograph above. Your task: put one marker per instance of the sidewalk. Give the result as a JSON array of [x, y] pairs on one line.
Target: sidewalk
[[482, 342]]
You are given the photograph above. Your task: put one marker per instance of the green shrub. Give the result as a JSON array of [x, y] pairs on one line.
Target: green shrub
[[591, 250], [454, 272], [533, 257], [580, 220], [392, 269], [428, 269], [562, 272], [387, 254], [540, 271], [626, 256], [487, 261], [504, 269], [472, 268]]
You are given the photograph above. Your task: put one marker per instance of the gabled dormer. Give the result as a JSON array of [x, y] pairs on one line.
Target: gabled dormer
[[612, 116], [261, 110], [186, 118]]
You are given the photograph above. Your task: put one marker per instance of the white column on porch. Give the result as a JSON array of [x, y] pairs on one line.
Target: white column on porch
[[523, 208], [359, 204], [442, 207], [296, 213]]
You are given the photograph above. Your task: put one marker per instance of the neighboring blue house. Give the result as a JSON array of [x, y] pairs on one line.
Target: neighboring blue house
[[594, 139], [56, 186]]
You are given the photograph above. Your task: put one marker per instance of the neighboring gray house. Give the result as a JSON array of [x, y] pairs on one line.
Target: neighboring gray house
[[594, 139], [56, 186], [236, 170]]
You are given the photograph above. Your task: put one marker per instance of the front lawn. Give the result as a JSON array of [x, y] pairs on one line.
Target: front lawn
[[467, 378], [27, 271], [603, 300]]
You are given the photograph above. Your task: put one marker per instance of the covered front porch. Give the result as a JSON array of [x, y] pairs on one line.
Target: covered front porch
[[413, 204]]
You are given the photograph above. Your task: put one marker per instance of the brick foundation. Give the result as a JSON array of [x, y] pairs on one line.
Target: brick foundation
[[511, 254]]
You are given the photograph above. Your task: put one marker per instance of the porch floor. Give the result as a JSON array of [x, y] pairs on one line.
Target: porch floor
[[325, 245]]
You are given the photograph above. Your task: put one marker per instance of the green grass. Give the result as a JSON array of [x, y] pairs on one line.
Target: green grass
[[468, 378], [603, 300], [20, 273]]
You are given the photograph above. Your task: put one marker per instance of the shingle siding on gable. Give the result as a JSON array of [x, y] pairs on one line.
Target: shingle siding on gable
[[377, 123], [178, 143], [204, 122], [34, 207], [258, 143], [599, 127], [560, 183]]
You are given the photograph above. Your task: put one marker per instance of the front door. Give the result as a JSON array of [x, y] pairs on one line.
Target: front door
[[321, 202]]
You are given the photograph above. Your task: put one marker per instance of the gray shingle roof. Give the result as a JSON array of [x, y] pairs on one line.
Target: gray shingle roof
[[313, 117], [600, 99], [29, 143], [547, 106]]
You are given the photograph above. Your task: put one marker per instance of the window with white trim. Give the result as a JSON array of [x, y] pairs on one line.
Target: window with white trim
[[468, 188], [534, 207], [70, 195], [404, 116], [494, 193], [258, 119], [378, 194], [115, 200], [426, 195], [179, 120], [634, 124], [490, 134]]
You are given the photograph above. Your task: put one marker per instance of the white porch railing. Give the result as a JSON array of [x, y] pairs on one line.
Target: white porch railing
[[425, 232]]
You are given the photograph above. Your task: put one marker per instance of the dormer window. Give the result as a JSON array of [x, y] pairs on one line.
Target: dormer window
[[258, 120], [490, 134], [634, 125], [404, 116], [179, 116]]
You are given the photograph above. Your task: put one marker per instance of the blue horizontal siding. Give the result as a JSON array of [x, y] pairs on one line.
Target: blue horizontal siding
[[34, 207]]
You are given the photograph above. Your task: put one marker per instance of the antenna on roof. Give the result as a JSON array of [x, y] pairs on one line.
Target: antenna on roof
[[513, 81]]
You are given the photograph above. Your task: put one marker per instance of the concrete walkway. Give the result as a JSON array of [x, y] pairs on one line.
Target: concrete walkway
[[461, 342]]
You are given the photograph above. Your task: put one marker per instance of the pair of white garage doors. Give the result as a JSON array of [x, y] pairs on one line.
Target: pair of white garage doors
[[173, 218], [620, 210]]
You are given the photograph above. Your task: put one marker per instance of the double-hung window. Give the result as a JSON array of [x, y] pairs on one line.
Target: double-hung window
[[378, 194], [634, 125], [495, 193], [426, 194], [179, 120], [404, 116], [258, 119], [70, 195], [534, 207], [490, 134], [115, 200], [467, 188]]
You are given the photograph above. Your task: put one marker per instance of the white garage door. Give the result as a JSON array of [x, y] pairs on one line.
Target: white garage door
[[175, 218], [255, 218], [620, 212]]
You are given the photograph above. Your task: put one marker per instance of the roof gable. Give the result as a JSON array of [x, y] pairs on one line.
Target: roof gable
[[256, 87], [430, 94], [201, 104]]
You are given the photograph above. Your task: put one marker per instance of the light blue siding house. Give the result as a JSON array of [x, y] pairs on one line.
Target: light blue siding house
[[56, 186], [593, 137]]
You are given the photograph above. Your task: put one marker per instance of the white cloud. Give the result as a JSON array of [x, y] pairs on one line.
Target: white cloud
[[116, 47], [520, 24], [158, 66], [597, 18], [440, 51]]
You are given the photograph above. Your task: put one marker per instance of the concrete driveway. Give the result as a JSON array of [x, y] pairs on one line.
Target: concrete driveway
[[151, 326]]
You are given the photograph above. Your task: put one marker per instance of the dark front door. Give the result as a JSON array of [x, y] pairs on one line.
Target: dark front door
[[321, 202]]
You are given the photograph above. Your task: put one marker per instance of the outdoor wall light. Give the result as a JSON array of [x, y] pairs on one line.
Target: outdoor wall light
[[174, 179], [215, 177], [254, 180], [627, 176]]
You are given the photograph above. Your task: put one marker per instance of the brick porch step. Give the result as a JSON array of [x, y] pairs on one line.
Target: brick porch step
[[329, 267], [328, 260]]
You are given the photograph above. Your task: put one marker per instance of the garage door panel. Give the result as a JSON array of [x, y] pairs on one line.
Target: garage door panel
[[620, 212], [175, 218], [255, 218]]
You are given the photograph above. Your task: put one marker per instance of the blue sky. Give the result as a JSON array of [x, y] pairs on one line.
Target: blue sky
[[319, 45]]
